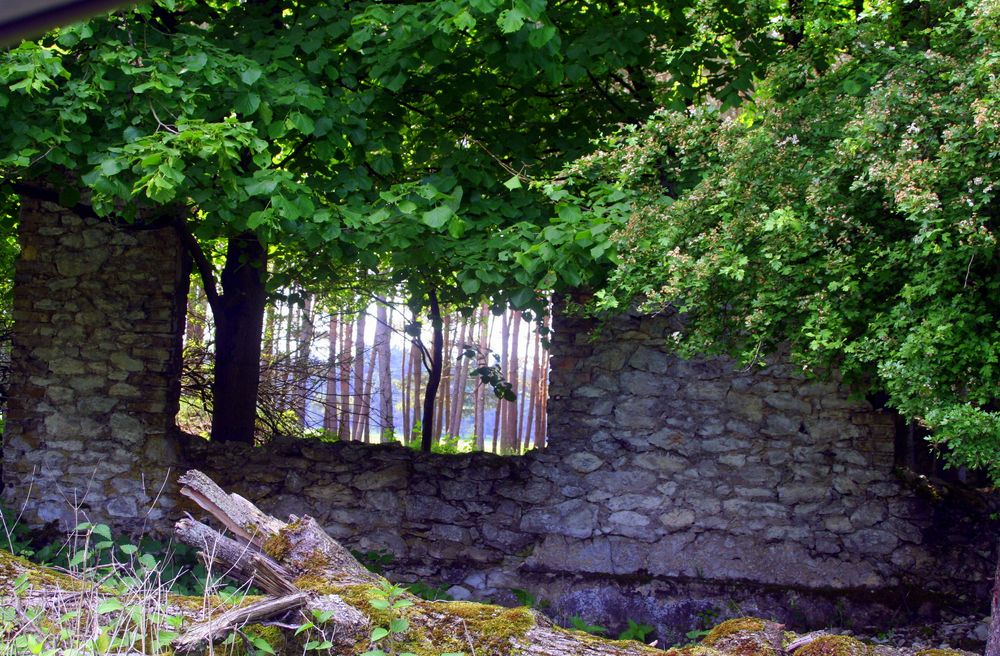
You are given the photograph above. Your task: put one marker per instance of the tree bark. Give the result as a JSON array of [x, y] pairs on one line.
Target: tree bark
[[330, 404], [479, 393], [239, 322], [359, 375], [434, 377], [345, 382], [303, 349], [383, 348]]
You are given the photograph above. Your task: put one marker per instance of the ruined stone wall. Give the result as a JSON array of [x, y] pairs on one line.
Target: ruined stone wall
[[671, 489], [96, 357]]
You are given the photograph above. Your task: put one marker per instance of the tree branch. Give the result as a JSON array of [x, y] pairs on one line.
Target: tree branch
[[201, 261]]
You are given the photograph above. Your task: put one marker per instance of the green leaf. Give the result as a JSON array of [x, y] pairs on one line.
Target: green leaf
[[471, 285], [262, 644], [399, 625], [510, 20], [302, 123], [464, 20], [109, 606], [407, 206], [251, 75], [513, 183], [103, 531], [379, 632], [541, 36], [128, 549], [437, 217]]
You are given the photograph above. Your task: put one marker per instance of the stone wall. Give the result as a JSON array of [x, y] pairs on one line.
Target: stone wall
[[671, 490], [98, 311]]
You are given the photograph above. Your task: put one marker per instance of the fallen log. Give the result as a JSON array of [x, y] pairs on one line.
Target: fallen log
[[296, 561], [318, 598]]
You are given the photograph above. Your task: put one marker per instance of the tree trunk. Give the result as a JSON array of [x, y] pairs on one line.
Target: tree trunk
[[239, 322], [330, 404], [366, 398], [532, 398], [405, 369], [479, 393], [304, 347], [359, 375], [418, 375], [461, 369], [197, 315], [344, 430], [387, 427], [434, 377], [993, 644], [508, 436], [301, 566], [444, 398]]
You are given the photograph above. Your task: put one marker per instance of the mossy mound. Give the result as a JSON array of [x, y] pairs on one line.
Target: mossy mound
[[939, 652], [747, 636], [693, 650], [835, 645]]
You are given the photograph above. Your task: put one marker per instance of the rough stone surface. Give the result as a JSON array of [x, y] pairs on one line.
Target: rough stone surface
[[670, 488], [88, 432]]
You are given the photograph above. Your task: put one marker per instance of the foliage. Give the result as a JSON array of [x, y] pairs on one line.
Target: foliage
[[343, 135], [391, 600], [636, 631], [136, 616], [580, 624], [850, 211]]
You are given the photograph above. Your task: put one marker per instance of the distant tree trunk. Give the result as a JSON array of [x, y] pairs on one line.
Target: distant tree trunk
[[344, 430], [479, 393], [499, 416], [508, 436], [197, 315], [524, 399], [366, 398], [239, 322], [461, 372], [305, 337], [993, 644], [383, 348], [434, 378], [418, 374], [359, 374], [330, 405], [443, 405], [405, 359], [532, 399], [541, 423]]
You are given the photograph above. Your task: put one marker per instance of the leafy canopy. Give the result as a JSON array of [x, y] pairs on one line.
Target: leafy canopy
[[852, 211], [382, 137]]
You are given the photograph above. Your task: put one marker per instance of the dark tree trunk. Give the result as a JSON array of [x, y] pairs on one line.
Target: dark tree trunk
[[793, 36], [434, 377], [993, 645], [239, 322]]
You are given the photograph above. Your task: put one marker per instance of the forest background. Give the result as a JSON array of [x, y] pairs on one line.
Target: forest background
[[814, 174]]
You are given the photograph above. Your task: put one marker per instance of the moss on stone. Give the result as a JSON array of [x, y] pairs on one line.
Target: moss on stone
[[693, 650], [12, 567], [835, 645], [938, 652], [746, 636], [729, 627]]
